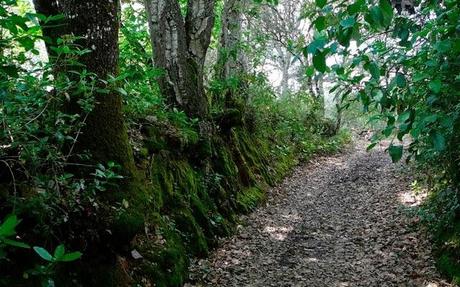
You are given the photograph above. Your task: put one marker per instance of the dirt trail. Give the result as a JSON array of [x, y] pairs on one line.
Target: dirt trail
[[337, 221]]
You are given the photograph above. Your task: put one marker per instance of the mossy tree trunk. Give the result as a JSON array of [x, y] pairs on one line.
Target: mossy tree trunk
[[179, 48], [96, 24]]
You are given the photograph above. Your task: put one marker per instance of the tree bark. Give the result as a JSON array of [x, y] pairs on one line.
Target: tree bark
[[179, 48], [231, 57], [96, 24]]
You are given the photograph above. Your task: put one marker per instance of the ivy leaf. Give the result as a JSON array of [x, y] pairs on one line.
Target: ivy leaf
[[27, 43], [319, 61], [443, 46], [396, 152], [404, 116], [371, 146]]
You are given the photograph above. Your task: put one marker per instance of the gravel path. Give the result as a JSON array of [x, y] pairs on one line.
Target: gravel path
[[336, 221]]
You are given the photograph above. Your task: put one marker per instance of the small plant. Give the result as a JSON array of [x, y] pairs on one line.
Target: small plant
[[104, 176], [7, 235], [47, 271]]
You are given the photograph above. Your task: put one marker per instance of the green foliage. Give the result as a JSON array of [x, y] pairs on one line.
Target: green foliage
[[404, 70], [46, 272], [191, 187], [7, 235], [409, 93], [137, 79]]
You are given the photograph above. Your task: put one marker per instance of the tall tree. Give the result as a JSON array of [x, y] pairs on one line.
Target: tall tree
[[179, 48], [96, 26], [231, 58]]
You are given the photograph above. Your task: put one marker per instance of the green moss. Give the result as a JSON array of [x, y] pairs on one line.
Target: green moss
[[448, 253], [165, 261], [126, 226], [249, 198], [450, 267], [199, 200], [192, 234]]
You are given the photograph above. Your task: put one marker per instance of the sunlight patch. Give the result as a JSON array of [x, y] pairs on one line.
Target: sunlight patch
[[413, 196], [278, 233]]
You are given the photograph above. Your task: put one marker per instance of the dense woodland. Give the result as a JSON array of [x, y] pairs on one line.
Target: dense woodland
[[134, 133]]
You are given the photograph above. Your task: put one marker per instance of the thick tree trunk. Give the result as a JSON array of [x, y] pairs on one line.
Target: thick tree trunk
[[96, 23], [231, 57], [179, 48]]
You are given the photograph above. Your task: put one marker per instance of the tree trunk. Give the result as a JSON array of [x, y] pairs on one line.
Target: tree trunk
[[52, 30], [96, 23], [230, 56], [179, 48], [285, 75]]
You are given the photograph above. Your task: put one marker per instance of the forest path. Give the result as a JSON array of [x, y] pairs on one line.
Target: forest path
[[336, 221]]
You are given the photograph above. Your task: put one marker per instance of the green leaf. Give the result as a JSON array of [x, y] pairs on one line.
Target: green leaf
[[404, 116], [387, 12], [10, 70], [435, 86], [8, 226], [319, 62], [122, 91], [374, 70], [310, 71], [443, 46], [320, 23], [348, 22], [27, 43], [321, 3], [43, 253], [316, 45], [355, 7], [71, 256], [400, 80], [375, 17], [15, 243], [371, 146], [395, 152], [344, 36], [439, 142], [59, 252]]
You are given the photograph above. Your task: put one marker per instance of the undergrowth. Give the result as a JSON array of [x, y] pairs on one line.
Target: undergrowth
[[189, 192]]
